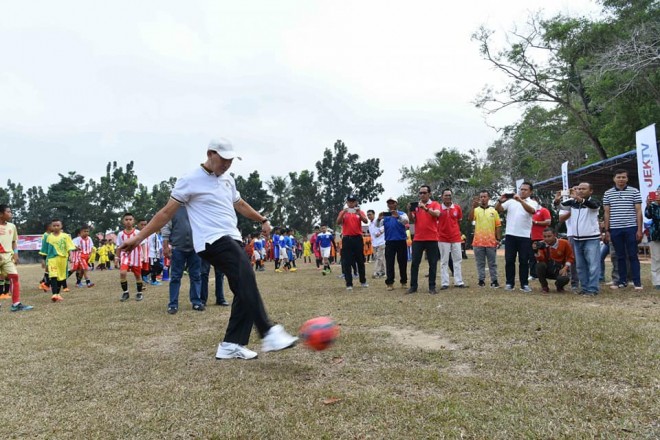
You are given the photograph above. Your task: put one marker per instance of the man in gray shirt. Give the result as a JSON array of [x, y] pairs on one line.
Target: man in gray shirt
[[178, 234]]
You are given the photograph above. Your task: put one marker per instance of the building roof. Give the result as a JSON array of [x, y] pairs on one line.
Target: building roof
[[598, 174]]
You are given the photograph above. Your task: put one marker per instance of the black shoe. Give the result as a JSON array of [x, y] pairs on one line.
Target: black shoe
[[461, 286], [199, 307], [433, 291], [495, 285], [222, 303], [411, 291], [444, 287], [482, 283], [139, 296], [172, 310], [125, 296]]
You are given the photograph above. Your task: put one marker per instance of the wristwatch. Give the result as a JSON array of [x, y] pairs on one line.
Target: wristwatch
[[264, 221]]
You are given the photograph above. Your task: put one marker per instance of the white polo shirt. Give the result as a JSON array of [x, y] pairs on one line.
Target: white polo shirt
[[209, 200], [519, 221]]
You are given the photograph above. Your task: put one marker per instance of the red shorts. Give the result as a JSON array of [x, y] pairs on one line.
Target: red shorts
[[82, 263], [145, 266], [137, 271]]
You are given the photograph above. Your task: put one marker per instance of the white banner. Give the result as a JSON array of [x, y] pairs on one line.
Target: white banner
[[648, 166], [564, 176], [518, 183]]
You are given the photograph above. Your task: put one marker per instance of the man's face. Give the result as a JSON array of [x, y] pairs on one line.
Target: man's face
[[324, 229], [549, 237], [218, 165], [584, 190], [484, 198], [56, 227], [128, 222], [392, 205], [621, 180], [446, 198], [370, 216], [525, 191], [424, 194], [351, 203]]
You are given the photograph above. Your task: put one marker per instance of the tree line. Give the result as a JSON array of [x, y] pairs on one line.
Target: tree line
[[297, 200]]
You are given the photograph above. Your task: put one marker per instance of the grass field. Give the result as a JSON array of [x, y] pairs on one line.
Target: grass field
[[473, 363]]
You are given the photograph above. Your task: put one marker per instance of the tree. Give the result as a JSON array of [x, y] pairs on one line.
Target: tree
[[253, 192], [302, 209], [341, 174], [39, 211], [15, 197], [113, 196], [279, 189], [69, 199], [544, 65]]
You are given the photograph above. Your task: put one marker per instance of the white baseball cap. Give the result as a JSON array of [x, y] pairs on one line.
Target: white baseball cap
[[224, 148]]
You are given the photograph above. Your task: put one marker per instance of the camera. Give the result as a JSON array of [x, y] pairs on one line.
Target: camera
[[540, 245], [508, 195], [387, 214]]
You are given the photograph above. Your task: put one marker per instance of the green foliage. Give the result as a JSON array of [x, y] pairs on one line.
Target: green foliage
[[341, 174], [253, 192]]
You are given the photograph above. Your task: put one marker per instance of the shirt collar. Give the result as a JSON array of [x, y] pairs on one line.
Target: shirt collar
[[616, 188]]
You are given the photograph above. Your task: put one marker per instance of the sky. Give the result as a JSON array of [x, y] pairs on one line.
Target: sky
[[86, 83]]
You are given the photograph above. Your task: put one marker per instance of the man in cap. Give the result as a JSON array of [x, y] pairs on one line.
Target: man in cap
[[211, 199], [394, 224], [352, 246]]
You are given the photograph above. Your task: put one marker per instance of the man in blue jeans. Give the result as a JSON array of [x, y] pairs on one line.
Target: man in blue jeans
[[583, 210], [219, 285], [623, 226], [178, 234]]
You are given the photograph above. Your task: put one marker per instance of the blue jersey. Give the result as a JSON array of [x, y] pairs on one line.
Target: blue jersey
[[276, 245], [258, 245], [324, 239]]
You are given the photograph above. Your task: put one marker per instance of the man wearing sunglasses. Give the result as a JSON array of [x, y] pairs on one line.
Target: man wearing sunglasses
[[425, 214]]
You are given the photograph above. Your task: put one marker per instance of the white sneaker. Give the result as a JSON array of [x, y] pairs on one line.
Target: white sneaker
[[230, 350], [277, 339], [364, 285]]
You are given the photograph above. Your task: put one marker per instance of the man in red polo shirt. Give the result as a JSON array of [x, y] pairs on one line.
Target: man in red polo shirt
[[352, 246], [425, 215], [540, 220], [449, 240]]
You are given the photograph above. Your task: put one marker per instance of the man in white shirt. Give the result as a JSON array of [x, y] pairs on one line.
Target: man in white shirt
[[377, 243], [211, 199], [520, 208]]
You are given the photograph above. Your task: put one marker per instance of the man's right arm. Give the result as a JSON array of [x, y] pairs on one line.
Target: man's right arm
[[157, 222]]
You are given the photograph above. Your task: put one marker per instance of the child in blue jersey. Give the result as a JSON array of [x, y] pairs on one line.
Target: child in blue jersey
[[276, 248], [283, 253], [324, 241], [258, 252], [291, 244]]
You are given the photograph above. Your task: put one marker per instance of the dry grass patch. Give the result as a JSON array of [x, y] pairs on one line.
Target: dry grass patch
[[476, 363]]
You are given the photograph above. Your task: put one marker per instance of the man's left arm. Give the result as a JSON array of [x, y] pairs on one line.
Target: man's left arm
[[640, 226], [244, 208]]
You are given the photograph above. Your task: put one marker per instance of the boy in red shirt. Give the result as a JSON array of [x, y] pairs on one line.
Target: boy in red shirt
[[130, 261]]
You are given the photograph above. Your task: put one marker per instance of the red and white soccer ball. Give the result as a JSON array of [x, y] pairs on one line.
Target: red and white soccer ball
[[319, 333]]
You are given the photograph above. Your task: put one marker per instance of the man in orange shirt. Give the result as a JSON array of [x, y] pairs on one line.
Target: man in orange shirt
[[425, 214], [352, 246], [554, 260]]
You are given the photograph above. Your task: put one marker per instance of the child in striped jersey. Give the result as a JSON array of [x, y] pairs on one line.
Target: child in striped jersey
[[130, 261], [80, 256]]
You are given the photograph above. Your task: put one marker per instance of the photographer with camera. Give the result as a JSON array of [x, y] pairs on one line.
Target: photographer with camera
[[352, 246], [394, 224], [520, 208], [554, 258]]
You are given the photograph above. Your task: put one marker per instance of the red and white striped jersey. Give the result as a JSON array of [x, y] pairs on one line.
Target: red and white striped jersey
[[133, 258], [84, 244]]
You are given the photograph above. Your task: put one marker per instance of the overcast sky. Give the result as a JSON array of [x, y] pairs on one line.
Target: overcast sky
[[84, 83]]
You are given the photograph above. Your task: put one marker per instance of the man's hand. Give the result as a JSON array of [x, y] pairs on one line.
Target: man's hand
[[266, 228], [129, 245], [517, 198], [638, 236], [167, 251], [15, 258], [563, 271]]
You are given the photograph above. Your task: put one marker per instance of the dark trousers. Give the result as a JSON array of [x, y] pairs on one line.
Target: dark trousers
[[532, 260], [432, 254], [247, 309], [625, 244], [396, 249], [520, 247], [352, 253], [543, 276]]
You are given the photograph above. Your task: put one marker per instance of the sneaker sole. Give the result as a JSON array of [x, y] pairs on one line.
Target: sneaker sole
[[291, 345]]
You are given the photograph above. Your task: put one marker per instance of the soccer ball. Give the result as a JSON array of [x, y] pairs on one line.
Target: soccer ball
[[319, 333]]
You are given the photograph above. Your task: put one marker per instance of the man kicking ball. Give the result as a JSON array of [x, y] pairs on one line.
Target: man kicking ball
[[211, 199]]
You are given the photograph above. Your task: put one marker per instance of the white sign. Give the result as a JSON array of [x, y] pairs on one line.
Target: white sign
[[519, 182], [648, 166], [564, 176]]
